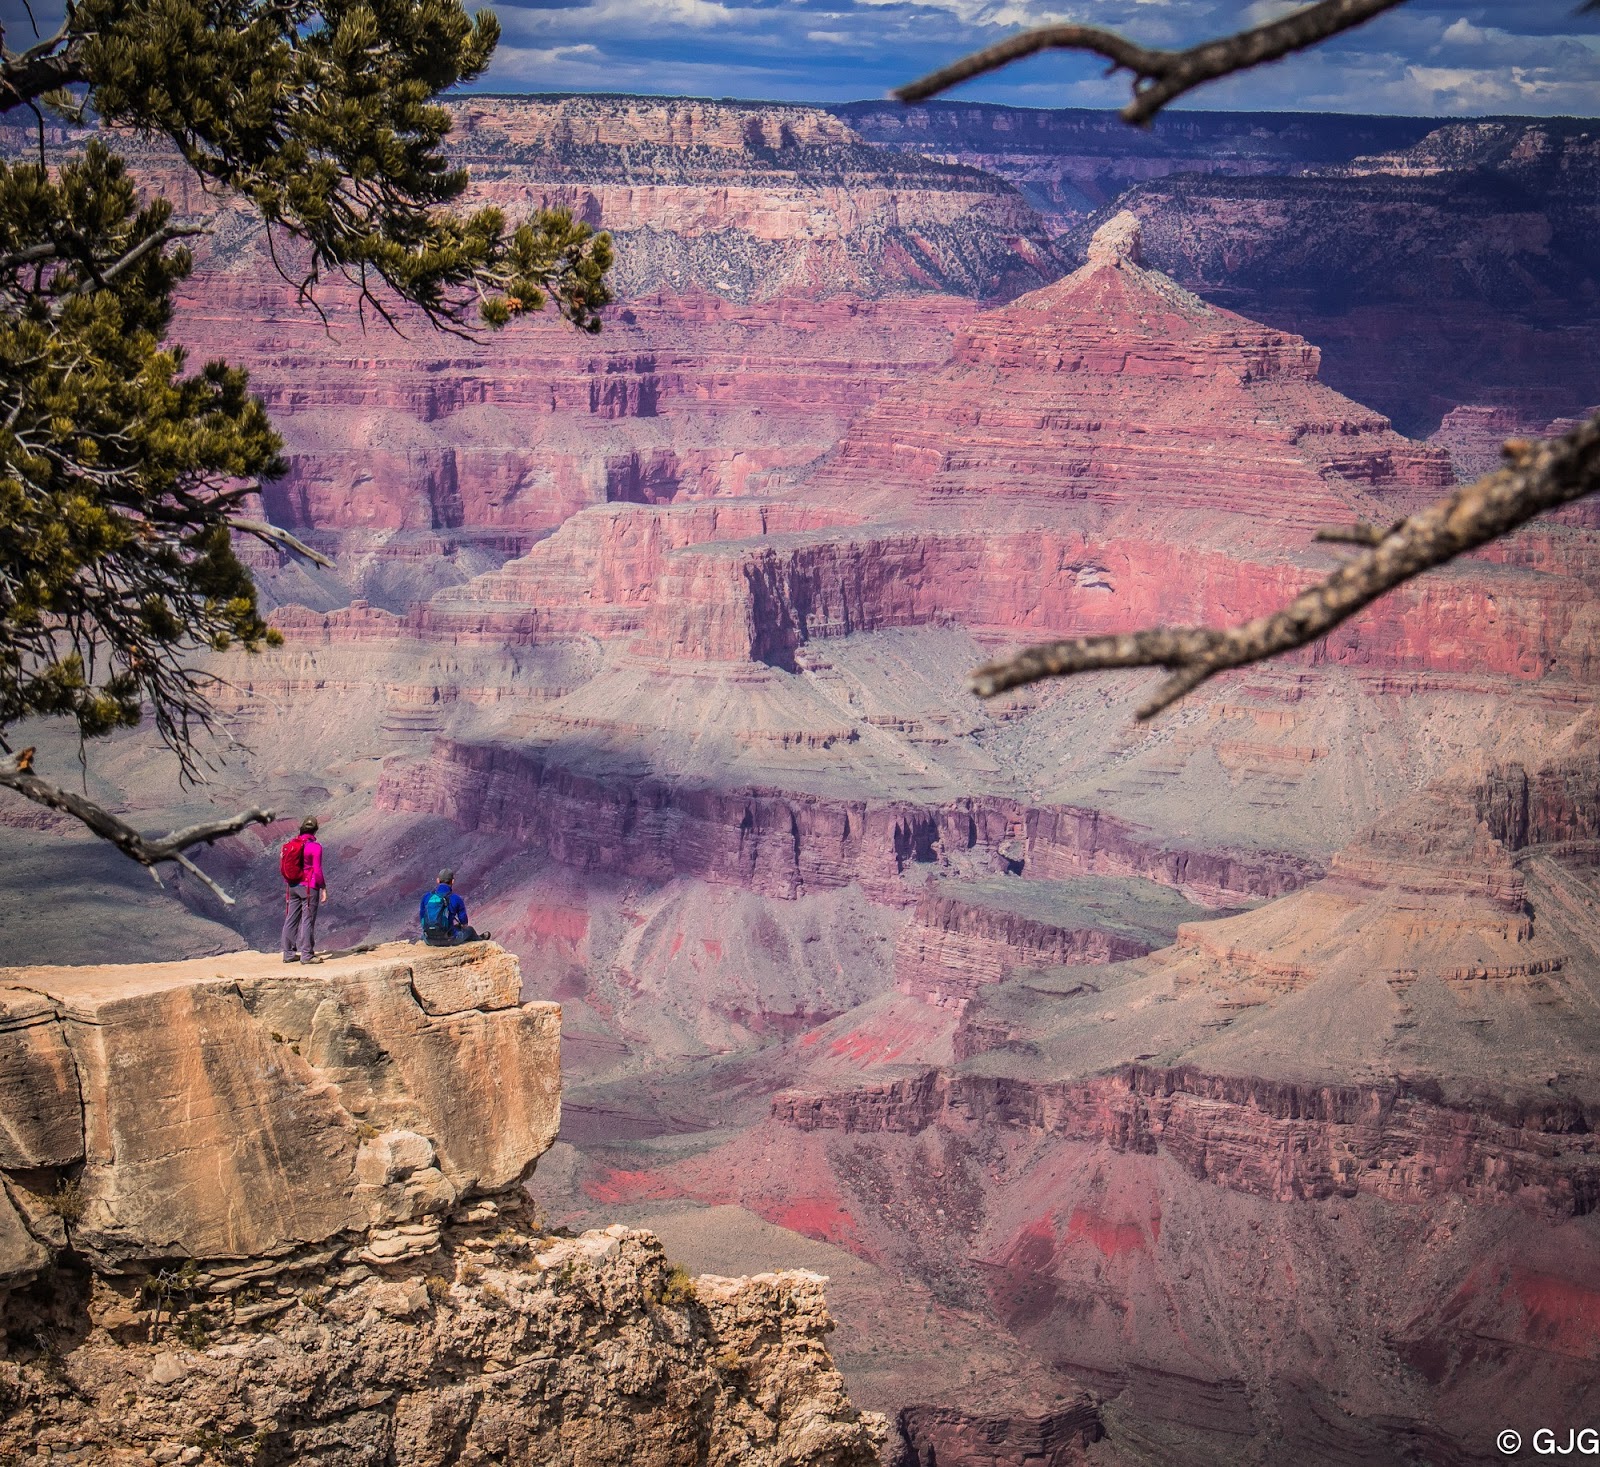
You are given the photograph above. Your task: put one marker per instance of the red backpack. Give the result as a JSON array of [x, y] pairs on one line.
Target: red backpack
[[292, 861]]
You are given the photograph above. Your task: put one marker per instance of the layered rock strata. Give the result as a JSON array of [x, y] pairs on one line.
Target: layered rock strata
[[784, 842], [1471, 279], [1390, 1071], [1068, 161], [970, 934], [754, 200], [357, 1105]]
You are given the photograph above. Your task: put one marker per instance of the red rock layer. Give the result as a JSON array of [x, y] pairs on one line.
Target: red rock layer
[[1116, 388], [958, 1438], [679, 398], [1009, 491], [959, 940]]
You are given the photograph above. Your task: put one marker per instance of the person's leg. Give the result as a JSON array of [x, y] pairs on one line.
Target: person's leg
[[291, 922], [308, 924], [464, 934]]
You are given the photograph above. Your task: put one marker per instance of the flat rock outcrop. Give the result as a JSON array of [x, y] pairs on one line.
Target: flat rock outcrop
[[233, 1111], [976, 933]]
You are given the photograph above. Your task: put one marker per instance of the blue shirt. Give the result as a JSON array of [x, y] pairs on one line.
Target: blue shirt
[[458, 908]]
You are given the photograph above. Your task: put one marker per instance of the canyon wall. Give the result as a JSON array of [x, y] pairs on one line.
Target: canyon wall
[[1364, 1111], [1155, 1103], [1472, 279], [158, 1098], [1068, 162], [784, 841]]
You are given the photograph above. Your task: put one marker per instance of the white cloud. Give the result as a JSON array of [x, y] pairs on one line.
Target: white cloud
[[1463, 32], [1264, 11], [545, 56], [1012, 14], [1443, 57]]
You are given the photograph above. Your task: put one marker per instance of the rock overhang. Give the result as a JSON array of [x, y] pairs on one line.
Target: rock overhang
[[235, 1107]]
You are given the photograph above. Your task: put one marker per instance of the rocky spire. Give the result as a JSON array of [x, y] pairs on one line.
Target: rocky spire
[[1117, 240]]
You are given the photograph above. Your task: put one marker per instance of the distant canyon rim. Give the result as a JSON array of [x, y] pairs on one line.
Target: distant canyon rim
[[1214, 1091]]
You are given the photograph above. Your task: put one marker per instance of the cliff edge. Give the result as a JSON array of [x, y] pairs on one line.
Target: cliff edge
[[256, 1213]]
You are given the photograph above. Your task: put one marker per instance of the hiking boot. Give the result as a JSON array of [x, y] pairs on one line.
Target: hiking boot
[[291, 960]]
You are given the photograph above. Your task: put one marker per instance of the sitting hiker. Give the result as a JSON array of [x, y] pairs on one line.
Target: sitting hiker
[[444, 916]]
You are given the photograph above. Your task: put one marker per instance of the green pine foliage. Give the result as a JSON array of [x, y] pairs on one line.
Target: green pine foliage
[[120, 467]]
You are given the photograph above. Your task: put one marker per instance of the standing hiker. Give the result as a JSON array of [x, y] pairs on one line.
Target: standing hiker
[[444, 916], [301, 867]]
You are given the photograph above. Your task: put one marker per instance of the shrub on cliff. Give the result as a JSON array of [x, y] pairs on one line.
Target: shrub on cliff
[[122, 473]]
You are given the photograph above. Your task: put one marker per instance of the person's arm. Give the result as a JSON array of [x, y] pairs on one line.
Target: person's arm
[[458, 909], [314, 875]]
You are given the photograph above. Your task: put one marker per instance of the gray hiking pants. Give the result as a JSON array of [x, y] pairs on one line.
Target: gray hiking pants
[[457, 936], [300, 921]]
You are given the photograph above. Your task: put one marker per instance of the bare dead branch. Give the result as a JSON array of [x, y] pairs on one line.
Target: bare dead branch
[[33, 255], [17, 773], [272, 535], [1537, 477], [1160, 76], [150, 242], [1360, 533]]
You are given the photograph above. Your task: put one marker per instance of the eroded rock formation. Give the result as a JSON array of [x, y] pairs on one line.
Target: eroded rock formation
[[269, 1214], [232, 1111], [1471, 278]]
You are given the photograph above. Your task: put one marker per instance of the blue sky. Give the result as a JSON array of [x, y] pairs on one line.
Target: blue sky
[[1429, 58]]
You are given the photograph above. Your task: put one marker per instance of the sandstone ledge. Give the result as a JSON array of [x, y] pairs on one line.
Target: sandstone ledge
[[238, 1112], [508, 1345]]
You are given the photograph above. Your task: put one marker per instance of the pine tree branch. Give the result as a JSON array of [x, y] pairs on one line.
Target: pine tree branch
[[16, 772], [1160, 76], [1537, 477], [44, 68]]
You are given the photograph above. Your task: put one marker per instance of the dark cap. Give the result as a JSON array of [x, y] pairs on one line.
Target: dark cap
[[308, 826]]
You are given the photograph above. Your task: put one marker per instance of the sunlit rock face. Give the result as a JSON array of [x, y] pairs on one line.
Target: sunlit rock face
[[774, 274], [238, 1108]]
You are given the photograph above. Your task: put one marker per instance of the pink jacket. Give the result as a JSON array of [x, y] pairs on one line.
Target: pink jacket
[[311, 854]]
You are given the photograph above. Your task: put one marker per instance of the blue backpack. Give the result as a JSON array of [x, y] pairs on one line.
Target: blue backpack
[[436, 914]]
